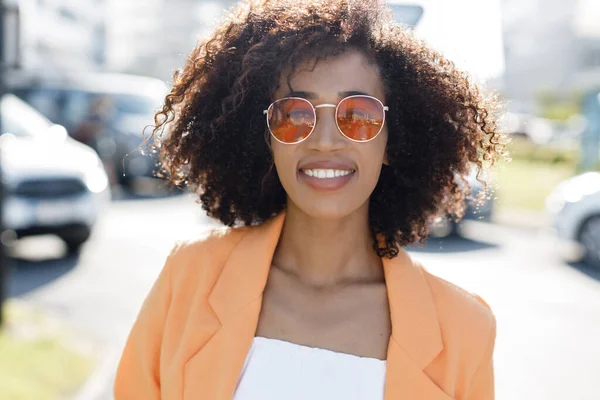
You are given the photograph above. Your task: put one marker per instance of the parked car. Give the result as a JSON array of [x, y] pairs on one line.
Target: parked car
[[108, 112], [476, 209], [575, 209], [53, 184]]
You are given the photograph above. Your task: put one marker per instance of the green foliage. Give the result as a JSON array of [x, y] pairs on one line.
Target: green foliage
[[37, 359], [554, 107], [535, 170], [524, 185], [525, 150]]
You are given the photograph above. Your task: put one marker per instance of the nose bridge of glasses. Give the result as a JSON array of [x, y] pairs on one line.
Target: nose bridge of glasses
[[326, 106], [326, 133], [321, 118]]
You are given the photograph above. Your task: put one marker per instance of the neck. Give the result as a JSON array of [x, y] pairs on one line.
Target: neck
[[328, 252]]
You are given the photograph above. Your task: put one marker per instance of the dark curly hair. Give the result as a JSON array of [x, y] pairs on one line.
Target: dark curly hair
[[440, 124]]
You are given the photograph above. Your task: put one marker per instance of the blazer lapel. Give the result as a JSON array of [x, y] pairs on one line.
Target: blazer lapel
[[213, 371], [416, 337]]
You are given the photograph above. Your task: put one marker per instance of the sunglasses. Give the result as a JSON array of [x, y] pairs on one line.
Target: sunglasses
[[359, 118]]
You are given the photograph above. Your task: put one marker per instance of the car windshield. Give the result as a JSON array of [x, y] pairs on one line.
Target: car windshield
[[20, 119], [407, 14], [135, 104], [70, 107]]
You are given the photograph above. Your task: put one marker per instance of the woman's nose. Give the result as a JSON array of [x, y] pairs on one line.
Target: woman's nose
[[326, 135]]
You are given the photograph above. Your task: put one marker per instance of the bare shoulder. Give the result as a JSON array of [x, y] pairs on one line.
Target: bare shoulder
[[464, 316]]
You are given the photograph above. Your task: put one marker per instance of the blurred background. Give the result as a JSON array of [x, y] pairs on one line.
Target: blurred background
[[85, 225]]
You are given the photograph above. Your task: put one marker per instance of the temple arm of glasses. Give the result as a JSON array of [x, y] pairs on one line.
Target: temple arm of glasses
[[265, 111]]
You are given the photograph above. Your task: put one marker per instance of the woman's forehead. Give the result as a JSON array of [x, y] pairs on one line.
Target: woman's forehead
[[351, 71]]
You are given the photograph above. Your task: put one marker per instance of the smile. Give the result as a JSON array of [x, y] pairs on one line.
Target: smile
[[326, 173], [326, 179]]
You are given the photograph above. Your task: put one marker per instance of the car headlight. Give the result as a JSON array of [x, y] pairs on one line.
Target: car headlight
[[572, 191], [96, 180], [556, 202]]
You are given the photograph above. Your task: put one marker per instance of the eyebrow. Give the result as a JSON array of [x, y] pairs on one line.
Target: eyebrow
[[313, 95]]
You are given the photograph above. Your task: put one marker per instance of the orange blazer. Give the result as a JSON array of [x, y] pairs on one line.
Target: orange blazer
[[197, 324]]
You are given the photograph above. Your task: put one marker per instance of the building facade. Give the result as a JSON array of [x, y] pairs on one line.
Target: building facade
[[147, 37], [153, 37], [61, 34], [550, 46]]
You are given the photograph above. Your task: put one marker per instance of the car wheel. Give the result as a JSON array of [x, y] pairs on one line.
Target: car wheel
[[74, 246], [590, 239], [75, 239], [444, 228]]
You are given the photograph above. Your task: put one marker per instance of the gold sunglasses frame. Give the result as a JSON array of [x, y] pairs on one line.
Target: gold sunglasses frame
[[327, 105]]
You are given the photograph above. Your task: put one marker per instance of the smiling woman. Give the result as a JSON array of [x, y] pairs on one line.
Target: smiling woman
[[327, 138]]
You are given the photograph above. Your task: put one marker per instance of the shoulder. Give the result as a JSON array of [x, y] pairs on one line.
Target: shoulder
[[192, 262], [465, 318], [451, 298], [468, 332]]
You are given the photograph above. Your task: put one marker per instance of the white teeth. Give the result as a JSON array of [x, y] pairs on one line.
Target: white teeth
[[326, 173]]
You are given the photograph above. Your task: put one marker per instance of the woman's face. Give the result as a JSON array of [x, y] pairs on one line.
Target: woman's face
[[326, 148]]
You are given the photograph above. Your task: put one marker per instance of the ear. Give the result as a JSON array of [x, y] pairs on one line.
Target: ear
[[385, 159]]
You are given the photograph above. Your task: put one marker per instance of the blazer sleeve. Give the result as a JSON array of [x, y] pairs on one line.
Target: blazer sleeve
[[482, 384], [138, 373]]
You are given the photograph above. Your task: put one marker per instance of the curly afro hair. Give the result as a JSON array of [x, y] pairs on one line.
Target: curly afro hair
[[440, 124]]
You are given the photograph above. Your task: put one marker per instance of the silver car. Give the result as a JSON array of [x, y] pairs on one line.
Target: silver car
[[53, 184], [477, 209], [575, 209]]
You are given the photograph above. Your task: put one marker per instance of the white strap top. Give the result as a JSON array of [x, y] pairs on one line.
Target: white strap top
[[276, 370]]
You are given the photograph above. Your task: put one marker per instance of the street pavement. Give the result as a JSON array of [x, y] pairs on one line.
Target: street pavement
[[548, 311]]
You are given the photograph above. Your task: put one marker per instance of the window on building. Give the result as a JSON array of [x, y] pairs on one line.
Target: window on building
[[591, 59]]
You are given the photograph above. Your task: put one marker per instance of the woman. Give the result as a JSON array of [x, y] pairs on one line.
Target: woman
[[328, 139]]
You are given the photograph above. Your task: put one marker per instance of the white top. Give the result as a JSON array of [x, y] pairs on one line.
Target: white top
[[276, 370]]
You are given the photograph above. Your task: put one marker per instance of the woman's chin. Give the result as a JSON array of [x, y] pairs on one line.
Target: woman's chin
[[326, 209]]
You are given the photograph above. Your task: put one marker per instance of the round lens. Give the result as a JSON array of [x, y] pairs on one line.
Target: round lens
[[360, 118], [291, 120]]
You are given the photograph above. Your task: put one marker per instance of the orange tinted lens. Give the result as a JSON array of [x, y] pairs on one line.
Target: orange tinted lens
[[360, 118], [291, 120]]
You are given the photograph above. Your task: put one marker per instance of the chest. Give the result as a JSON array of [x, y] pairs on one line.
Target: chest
[[352, 319]]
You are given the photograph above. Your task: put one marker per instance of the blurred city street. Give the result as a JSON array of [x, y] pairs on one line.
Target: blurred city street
[[547, 310], [87, 226]]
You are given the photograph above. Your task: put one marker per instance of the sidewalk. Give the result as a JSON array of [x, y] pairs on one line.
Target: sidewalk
[[100, 384], [531, 220]]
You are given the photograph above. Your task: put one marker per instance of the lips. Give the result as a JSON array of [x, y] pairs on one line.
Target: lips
[[326, 175]]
